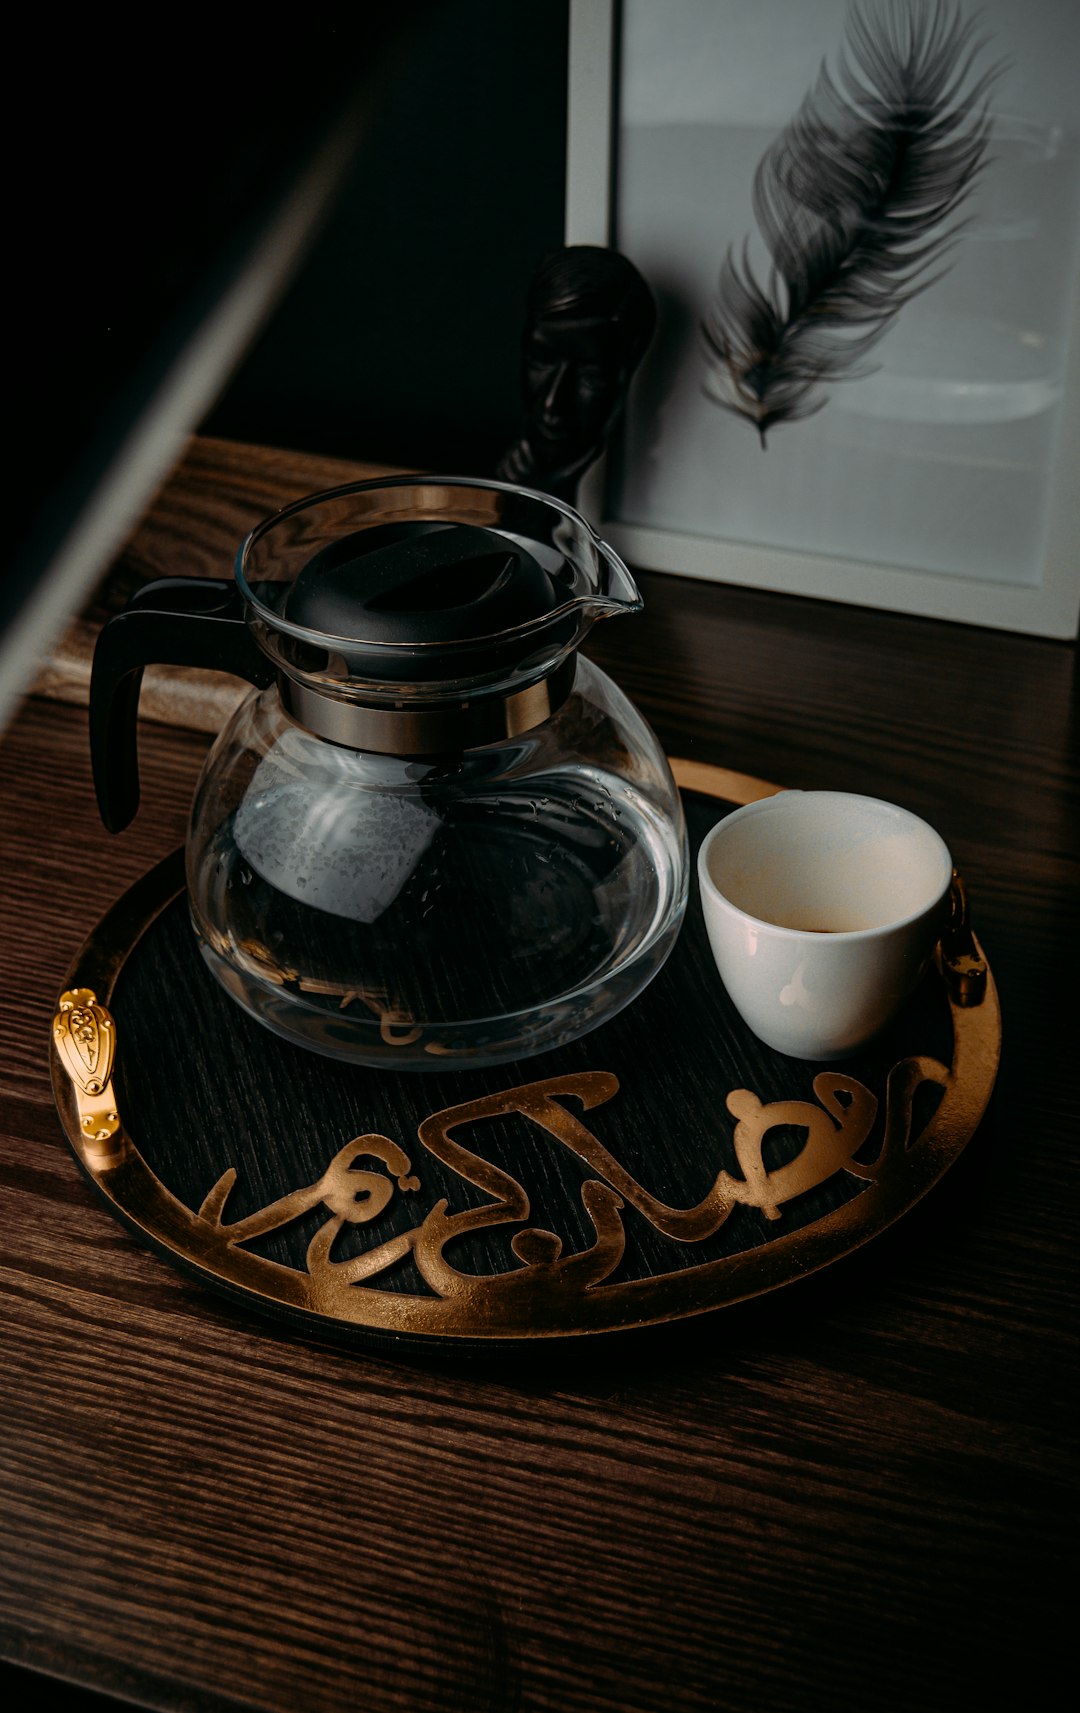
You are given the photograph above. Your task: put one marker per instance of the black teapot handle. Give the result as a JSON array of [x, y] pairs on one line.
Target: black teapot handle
[[176, 621]]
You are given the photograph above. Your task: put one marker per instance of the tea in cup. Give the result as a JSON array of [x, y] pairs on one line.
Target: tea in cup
[[823, 910]]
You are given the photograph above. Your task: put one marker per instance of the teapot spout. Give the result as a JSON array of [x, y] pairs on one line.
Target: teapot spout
[[621, 593], [615, 592]]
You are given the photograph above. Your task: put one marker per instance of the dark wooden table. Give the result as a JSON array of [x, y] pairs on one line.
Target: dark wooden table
[[857, 1496]]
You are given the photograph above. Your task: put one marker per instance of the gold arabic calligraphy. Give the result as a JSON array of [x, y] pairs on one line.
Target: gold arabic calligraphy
[[836, 1129]]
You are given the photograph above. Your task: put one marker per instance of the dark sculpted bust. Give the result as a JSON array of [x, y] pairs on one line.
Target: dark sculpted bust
[[589, 320]]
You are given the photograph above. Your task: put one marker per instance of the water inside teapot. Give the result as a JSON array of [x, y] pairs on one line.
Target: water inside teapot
[[478, 908]]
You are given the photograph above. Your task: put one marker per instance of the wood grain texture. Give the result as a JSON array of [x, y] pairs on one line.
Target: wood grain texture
[[861, 1497]]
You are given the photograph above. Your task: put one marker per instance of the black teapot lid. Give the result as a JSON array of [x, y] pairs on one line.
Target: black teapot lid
[[426, 585]]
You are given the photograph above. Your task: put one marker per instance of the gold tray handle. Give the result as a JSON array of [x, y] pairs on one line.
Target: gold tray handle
[[85, 1037], [962, 963]]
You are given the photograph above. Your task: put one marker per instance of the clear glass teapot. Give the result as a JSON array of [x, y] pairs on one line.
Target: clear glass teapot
[[433, 830]]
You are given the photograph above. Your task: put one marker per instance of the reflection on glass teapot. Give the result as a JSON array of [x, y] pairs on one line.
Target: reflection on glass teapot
[[433, 830]]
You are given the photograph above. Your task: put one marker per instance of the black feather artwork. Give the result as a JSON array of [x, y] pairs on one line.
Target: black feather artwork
[[856, 201]]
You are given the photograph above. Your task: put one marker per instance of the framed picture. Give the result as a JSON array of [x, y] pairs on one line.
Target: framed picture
[[927, 461]]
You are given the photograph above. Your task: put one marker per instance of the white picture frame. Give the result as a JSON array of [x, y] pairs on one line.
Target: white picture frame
[[1043, 598]]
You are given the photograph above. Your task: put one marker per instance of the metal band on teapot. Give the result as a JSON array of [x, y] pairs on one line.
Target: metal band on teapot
[[426, 729]]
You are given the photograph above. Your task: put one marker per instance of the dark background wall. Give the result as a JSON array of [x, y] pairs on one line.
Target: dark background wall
[[399, 339], [138, 198]]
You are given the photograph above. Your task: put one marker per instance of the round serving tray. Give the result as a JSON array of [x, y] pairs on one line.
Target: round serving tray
[[665, 1165]]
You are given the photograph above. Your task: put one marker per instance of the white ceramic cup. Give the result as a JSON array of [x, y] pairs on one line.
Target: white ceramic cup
[[823, 910]]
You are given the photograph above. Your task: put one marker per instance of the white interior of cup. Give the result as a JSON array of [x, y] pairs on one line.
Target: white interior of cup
[[828, 862]]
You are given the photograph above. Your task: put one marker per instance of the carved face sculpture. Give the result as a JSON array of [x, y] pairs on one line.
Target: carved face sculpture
[[590, 317], [576, 374]]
